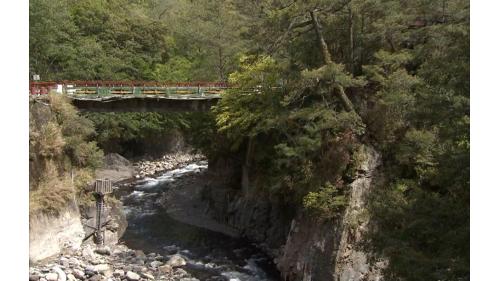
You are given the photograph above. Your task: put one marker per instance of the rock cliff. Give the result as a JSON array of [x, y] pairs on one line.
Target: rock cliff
[[50, 234], [303, 248]]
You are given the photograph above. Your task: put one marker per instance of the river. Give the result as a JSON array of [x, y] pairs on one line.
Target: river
[[210, 255]]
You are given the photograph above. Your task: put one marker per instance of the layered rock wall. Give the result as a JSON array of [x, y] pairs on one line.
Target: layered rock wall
[[303, 248], [50, 234]]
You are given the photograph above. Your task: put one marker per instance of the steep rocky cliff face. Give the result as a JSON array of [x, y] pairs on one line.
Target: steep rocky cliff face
[[50, 234], [304, 248], [256, 217], [331, 250]]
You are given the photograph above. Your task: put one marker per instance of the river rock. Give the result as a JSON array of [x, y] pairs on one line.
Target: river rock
[[79, 274], [132, 276], [51, 276], [73, 262], [97, 277], [138, 261], [71, 277], [140, 254], [165, 268], [118, 273], [103, 251], [34, 277], [176, 261], [87, 253], [61, 276], [104, 269], [155, 264], [148, 276]]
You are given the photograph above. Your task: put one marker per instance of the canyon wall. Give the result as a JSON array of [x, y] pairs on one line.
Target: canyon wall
[[50, 234], [303, 247]]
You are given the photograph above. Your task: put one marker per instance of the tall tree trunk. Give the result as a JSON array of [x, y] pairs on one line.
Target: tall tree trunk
[[221, 64], [351, 40], [361, 44], [321, 40], [346, 102]]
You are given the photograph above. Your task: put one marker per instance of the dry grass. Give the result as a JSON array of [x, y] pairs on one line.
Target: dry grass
[[62, 160], [53, 193], [50, 142]]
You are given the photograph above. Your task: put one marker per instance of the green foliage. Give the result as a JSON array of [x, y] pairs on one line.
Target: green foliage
[[413, 99], [135, 134], [176, 69], [422, 126], [130, 40], [325, 203], [291, 138]]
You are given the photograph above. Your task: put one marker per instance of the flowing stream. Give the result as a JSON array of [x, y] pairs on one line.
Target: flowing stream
[[210, 255]]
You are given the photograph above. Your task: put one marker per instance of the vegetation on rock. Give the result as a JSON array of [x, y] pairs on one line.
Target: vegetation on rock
[[62, 156]]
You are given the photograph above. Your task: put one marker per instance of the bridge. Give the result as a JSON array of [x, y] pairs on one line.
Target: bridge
[[134, 96]]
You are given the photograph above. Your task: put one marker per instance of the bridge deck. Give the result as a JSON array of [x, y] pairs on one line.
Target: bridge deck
[[98, 89], [134, 96]]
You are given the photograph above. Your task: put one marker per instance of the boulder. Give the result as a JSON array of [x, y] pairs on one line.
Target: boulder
[[97, 277], [176, 261], [51, 276], [104, 269], [118, 273], [165, 268], [103, 251], [148, 276], [74, 262], [79, 274], [155, 264], [132, 276], [140, 254], [61, 276], [87, 253]]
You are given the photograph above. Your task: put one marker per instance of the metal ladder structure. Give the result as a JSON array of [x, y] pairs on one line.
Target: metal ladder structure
[[101, 188]]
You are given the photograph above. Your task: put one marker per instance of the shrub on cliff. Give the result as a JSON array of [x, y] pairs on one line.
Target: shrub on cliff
[[62, 157]]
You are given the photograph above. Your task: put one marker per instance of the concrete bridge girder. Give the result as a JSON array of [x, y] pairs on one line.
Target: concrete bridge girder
[[145, 104]]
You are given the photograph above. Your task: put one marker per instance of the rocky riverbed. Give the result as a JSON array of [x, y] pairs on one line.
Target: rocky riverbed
[[149, 168], [117, 262], [168, 237]]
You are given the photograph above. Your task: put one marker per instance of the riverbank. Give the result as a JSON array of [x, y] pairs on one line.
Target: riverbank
[[122, 171], [169, 237], [116, 262]]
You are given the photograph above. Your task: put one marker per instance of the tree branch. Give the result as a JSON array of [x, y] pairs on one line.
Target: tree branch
[[346, 102]]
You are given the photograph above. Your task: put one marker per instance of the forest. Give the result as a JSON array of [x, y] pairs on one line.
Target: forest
[[313, 80]]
